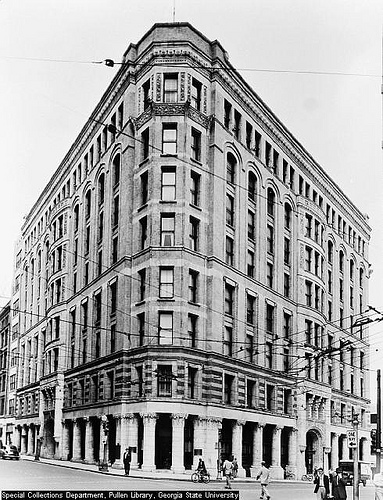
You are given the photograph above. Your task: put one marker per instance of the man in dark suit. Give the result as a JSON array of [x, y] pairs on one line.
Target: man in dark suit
[[339, 486], [322, 484], [126, 459]]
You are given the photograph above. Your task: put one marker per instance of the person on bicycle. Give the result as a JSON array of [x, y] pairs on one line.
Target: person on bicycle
[[201, 467]]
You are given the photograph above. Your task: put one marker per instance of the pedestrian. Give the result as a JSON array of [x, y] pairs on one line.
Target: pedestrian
[[201, 467], [235, 468], [227, 469], [264, 478], [126, 459], [322, 484], [338, 485]]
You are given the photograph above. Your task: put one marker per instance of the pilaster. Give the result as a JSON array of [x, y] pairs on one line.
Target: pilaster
[[149, 421], [178, 442]]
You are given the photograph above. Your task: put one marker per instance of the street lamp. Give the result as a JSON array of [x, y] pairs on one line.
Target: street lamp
[[103, 465]]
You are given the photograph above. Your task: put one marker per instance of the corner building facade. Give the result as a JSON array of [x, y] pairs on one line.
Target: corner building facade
[[189, 281]]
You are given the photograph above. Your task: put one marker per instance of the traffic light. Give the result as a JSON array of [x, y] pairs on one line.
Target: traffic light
[[373, 440]]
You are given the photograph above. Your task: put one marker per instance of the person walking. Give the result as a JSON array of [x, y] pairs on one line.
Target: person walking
[[235, 468], [227, 470], [264, 478], [126, 459], [322, 484], [338, 486]]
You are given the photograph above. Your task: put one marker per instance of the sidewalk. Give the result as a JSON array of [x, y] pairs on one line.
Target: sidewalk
[[162, 474]]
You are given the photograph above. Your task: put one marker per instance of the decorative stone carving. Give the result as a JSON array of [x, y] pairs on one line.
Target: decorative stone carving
[[158, 86], [182, 86]]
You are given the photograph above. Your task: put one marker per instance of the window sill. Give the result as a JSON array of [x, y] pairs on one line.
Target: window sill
[[195, 206], [164, 299], [197, 162], [194, 303], [168, 155], [140, 303], [144, 161], [168, 202], [142, 207]]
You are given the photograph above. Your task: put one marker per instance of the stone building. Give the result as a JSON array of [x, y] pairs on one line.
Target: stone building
[[191, 280], [6, 419]]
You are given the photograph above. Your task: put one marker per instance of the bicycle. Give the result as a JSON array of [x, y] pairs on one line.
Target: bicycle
[[289, 474], [307, 477], [200, 477]]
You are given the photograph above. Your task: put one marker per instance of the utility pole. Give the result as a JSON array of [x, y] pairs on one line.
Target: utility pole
[[378, 424], [355, 484]]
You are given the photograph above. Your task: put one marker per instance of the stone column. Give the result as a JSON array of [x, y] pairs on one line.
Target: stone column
[[65, 440], [89, 455], [178, 442], [276, 469], [30, 440], [199, 439], [237, 445], [24, 436], [210, 455], [76, 440], [334, 451], [18, 437], [257, 449], [293, 449], [118, 462], [149, 420], [132, 438]]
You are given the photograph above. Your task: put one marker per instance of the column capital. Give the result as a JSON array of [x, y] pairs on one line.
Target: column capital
[[260, 425], [128, 416], [277, 429], [293, 430], [118, 416], [149, 417], [86, 419], [239, 423], [179, 418]]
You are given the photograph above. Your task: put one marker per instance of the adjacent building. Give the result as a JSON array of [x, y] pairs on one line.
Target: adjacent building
[[6, 418], [189, 281]]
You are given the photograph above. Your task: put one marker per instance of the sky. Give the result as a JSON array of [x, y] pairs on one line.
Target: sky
[[49, 85]]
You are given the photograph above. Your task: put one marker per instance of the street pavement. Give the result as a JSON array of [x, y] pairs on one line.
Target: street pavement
[[56, 476]]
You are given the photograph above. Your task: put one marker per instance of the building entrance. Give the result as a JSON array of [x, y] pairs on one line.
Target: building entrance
[[163, 451]]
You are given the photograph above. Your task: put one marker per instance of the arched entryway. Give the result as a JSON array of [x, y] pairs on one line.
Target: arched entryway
[[313, 455], [247, 446], [226, 439]]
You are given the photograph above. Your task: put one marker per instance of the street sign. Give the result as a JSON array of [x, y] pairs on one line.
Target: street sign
[[351, 439]]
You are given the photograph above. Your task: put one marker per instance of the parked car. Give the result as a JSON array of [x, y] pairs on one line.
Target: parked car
[[9, 451], [378, 483]]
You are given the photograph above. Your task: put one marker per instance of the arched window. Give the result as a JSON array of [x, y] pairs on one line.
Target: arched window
[[330, 252], [76, 213], [116, 168], [252, 186], [101, 189], [231, 165], [88, 204], [270, 202], [288, 212], [341, 261]]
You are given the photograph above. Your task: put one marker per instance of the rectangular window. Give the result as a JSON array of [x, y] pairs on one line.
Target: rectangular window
[[195, 181], [196, 94], [229, 299], [270, 239], [113, 297], [229, 251], [166, 282], [146, 93], [84, 311], [116, 211], [194, 234], [287, 252], [145, 143], [193, 286], [144, 232], [113, 338], [229, 210], [227, 113], [114, 249], [168, 184], [251, 225], [228, 387], [192, 329], [269, 355], [165, 328], [165, 377], [286, 284], [250, 394], [142, 289], [171, 87], [309, 292], [269, 274], [192, 386], [250, 264], [249, 356], [249, 135], [167, 230], [309, 228], [141, 328], [99, 262], [250, 309], [286, 325], [196, 144], [237, 124], [144, 188], [169, 138], [257, 144], [269, 318]]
